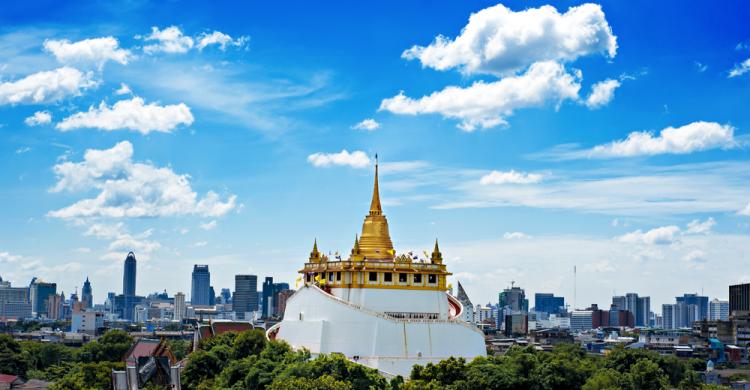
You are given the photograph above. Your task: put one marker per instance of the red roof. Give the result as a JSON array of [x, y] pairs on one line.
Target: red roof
[[4, 378], [223, 327]]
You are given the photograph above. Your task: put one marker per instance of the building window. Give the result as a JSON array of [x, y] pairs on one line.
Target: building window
[[402, 278], [373, 276], [330, 276], [388, 277], [417, 278], [308, 277], [338, 276], [431, 278]]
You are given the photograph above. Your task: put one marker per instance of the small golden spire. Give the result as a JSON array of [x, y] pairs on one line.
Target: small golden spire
[[437, 257], [375, 208], [375, 243], [356, 254], [315, 255]]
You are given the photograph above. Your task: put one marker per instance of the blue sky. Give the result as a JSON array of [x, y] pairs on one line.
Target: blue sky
[[531, 138]]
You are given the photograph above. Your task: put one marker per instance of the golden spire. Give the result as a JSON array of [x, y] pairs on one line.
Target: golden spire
[[356, 255], [375, 243], [437, 257], [315, 255], [375, 208]]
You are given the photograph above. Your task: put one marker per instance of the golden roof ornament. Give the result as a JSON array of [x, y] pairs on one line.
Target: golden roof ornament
[[315, 255], [437, 257], [356, 253], [375, 242]]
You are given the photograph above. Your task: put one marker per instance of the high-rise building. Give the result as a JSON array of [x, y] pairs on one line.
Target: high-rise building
[[549, 303], [40, 292], [514, 298], [700, 302], [211, 296], [718, 310], [14, 302], [462, 297], [200, 292], [128, 277], [245, 295], [581, 320], [639, 306], [739, 298], [668, 316], [87, 297], [55, 306], [179, 306], [226, 295]]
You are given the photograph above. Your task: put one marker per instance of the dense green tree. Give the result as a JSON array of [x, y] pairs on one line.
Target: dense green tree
[[645, 374], [325, 382], [179, 348], [111, 347], [11, 360], [223, 339], [607, 379], [88, 376], [201, 365], [248, 343], [41, 356]]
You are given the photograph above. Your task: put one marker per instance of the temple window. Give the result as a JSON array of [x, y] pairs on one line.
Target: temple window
[[373, 276], [402, 278], [388, 277], [338, 276], [431, 278], [417, 278]]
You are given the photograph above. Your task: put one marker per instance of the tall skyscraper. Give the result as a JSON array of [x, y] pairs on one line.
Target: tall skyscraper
[[718, 310], [40, 292], [548, 303], [270, 304], [128, 277], [639, 306], [245, 298], [200, 291], [179, 306], [87, 297], [739, 298], [514, 298], [668, 316], [14, 301], [700, 302]]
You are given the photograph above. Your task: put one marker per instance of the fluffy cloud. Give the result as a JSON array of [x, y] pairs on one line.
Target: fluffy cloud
[[45, 87], [500, 41], [368, 124], [121, 241], [355, 159], [695, 259], [95, 51], [693, 137], [658, 236], [39, 118], [697, 227], [510, 177], [130, 114], [740, 69], [486, 105], [131, 189], [515, 236], [602, 93], [209, 225], [746, 210], [168, 40], [123, 90], [220, 39]]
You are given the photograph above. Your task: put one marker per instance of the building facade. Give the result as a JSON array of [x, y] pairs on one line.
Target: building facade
[[15, 302], [718, 310], [87, 296], [179, 306], [39, 293], [549, 303], [200, 291], [739, 298], [245, 298]]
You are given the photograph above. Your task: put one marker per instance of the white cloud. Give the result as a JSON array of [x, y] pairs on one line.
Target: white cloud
[[658, 236], [23, 149], [700, 67], [131, 189], [209, 225], [746, 210], [499, 41], [95, 51], [697, 227], [168, 40], [693, 137], [199, 244], [123, 90], [45, 87], [368, 124], [39, 118], [355, 159], [515, 236], [130, 114], [220, 39], [487, 105], [602, 93], [510, 177], [740, 69], [121, 241], [695, 259]]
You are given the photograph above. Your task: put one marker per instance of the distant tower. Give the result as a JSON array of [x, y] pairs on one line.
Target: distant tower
[[200, 292], [128, 278], [87, 297], [245, 295], [179, 306]]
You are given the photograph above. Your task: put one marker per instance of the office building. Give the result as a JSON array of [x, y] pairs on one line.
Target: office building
[[739, 298], [15, 303], [549, 303], [87, 297], [179, 306], [700, 302], [200, 292], [245, 295], [89, 322], [718, 310], [129, 276], [270, 305], [514, 299], [581, 320], [226, 296], [640, 307], [462, 297], [39, 293]]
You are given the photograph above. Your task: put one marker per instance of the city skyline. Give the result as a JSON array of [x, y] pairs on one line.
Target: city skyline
[[259, 145]]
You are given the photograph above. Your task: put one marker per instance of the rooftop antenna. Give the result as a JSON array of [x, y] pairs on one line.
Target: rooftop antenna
[[512, 283]]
